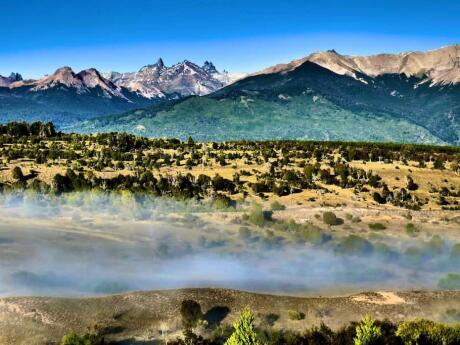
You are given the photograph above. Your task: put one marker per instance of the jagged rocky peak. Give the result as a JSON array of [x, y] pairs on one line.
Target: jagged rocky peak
[[7, 81], [160, 63], [91, 77], [157, 66], [184, 78], [209, 67], [15, 77]]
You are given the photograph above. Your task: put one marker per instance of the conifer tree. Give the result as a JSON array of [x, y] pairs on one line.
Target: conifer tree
[[244, 333], [367, 332]]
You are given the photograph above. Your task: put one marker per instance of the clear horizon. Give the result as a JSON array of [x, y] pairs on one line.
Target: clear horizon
[[39, 37]]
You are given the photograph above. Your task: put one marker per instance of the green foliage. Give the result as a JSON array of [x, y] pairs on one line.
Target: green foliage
[[354, 245], [243, 117], [420, 332], [377, 226], [435, 245], [411, 230], [17, 173], [223, 202], [378, 198], [450, 282], [191, 313], [85, 339], [244, 331], [330, 218], [295, 315], [455, 252], [276, 206], [258, 216], [367, 332], [438, 163]]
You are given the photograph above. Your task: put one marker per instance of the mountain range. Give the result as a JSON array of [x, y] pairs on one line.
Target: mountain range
[[407, 97], [67, 97], [184, 79]]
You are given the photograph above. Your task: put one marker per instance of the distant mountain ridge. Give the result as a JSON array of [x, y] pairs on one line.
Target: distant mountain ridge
[[66, 96], [408, 97], [82, 82], [185, 78], [440, 66]]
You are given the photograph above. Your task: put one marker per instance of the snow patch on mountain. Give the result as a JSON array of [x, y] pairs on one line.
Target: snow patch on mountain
[[184, 79]]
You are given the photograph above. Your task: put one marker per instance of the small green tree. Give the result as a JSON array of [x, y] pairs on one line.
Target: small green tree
[[367, 332], [258, 216], [244, 333], [191, 313], [17, 173], [85, 339], [330, 218]]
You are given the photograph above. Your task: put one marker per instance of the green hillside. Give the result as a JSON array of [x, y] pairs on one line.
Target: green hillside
[[300, 117]]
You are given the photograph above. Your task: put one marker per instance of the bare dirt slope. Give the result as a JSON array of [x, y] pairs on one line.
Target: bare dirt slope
[[138, 318]]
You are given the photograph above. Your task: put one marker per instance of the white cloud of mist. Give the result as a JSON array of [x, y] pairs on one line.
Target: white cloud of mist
[[90, 243]]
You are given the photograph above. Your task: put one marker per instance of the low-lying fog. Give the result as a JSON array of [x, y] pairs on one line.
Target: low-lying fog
[[91, 243]]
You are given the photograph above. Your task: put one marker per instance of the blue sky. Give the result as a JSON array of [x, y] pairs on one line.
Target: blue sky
[[38, 36]]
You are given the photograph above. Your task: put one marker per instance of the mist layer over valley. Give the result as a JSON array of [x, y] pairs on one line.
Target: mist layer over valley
[[96, 243]]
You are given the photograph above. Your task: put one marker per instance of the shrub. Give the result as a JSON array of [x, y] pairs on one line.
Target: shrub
[[438, 163], [191, 313], [244, 233], [276, 206], [427, 332], [435, 245], [244, 331], [378, 198], [259, 217], [367, 332], [314, 236], [355, 245], [410, 184], [296, 315], [330, 218], [17, 173], [223, 202], [411, 230], [86, 339], [455, 252], [450, 282], [377, 226]]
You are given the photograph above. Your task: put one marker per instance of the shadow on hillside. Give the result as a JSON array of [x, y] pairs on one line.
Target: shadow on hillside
[[216, 315]]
